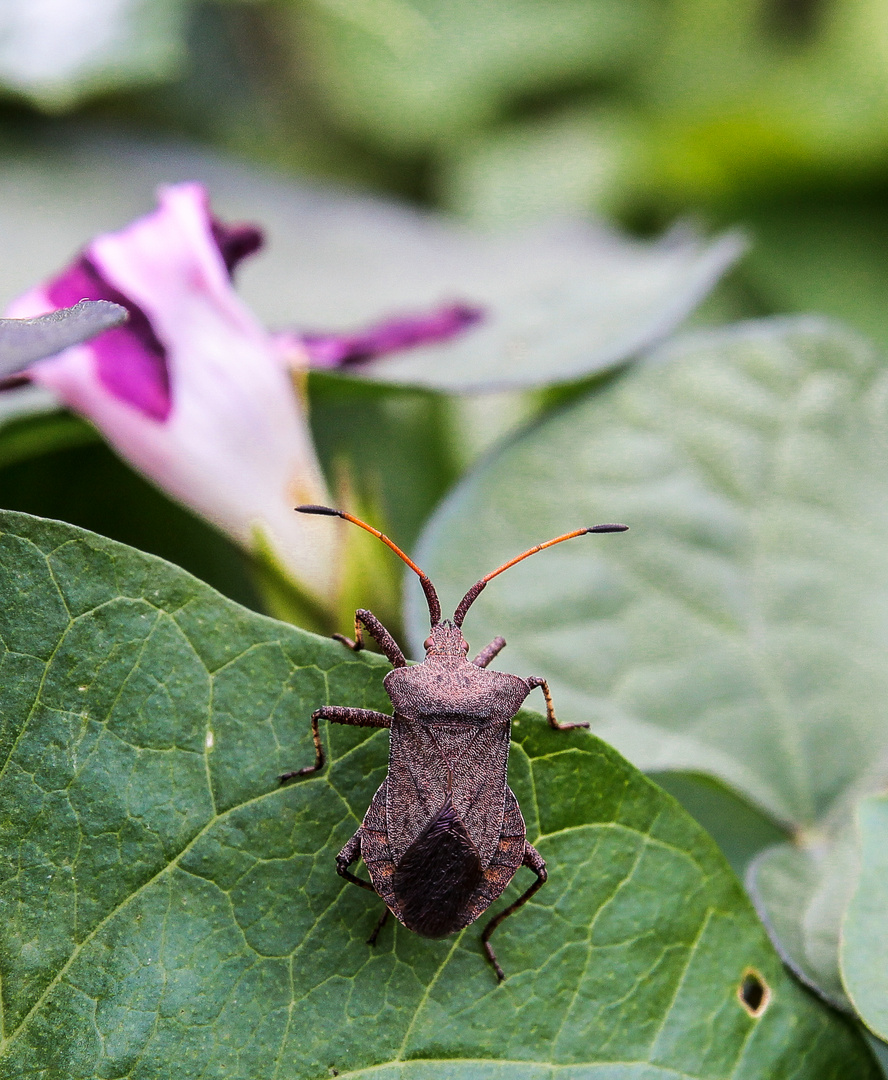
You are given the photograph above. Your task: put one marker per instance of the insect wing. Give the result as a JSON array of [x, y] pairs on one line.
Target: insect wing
[[430, 761]]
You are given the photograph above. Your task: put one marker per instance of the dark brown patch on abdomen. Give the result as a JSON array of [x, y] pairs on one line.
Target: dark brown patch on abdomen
[[437, 876]]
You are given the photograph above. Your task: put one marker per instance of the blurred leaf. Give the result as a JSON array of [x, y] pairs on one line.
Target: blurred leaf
[[573, 161], [392, 442], [32, 423], [563, 301], [22, 341], [740, 830], [740, 626], [864, 955], [90, 487], [879, 1049], [168, 906], [801, 892], [752, 94], [739, 629], [825, 257], [413, 73], [58, 51]]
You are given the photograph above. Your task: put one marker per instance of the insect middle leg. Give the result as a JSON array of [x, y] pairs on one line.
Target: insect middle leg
[[534, 860], [489, 652], [378, 632], [339, 715], [554, 722]]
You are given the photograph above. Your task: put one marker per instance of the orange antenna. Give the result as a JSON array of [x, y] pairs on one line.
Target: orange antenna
[[473, 593], [427, 587]]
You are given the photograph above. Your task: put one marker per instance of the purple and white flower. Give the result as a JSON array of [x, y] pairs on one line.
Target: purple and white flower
[[192, 390]]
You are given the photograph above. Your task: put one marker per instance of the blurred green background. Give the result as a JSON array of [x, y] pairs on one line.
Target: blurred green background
[[770, 114], [767, 113]]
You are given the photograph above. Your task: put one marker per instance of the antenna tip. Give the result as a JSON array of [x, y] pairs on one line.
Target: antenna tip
[[607, 528], [311, 509]]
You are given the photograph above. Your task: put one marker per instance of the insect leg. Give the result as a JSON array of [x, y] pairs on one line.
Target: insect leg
[[378, 632], [489, 652], [339, 715], [382, 921], [534, 860], [534, 681], [349, 854]]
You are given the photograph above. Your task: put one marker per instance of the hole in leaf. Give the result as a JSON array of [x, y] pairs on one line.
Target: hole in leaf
[[754, 993]]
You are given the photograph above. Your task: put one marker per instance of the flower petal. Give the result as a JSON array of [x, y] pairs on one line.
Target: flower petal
[[130, 361], [392, 335], [232, 443]]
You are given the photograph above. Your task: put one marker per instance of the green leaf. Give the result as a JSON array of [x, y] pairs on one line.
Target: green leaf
[[726, 633], [801, 892], [751, 96], [864, 952], [57, 55], [22, 341], [824, 257], [414, 73], [168, 909], [738, 630], [578, 159], [562, 302], [32, 423]]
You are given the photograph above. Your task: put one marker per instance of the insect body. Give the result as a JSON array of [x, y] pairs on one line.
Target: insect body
[[444, 835]]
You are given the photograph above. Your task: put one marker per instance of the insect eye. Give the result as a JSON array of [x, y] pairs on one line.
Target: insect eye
[[427, 644]]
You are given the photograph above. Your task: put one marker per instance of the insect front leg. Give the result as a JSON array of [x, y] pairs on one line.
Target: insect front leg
[[338, 715], [378, 632], [554, 722], [534, 860], [489, 652]]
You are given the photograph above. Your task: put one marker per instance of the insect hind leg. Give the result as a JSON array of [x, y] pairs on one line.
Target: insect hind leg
[[383, 919], [350, 854], [534, 861]]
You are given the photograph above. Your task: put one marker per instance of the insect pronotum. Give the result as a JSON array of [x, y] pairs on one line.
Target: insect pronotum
[[444, 835]]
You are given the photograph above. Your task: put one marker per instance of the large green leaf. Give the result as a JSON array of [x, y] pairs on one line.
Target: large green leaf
[[740, 628], [561, 302], [170, 911], [740, 625]]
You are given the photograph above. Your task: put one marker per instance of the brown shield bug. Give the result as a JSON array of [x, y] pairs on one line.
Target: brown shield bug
[[444, 835]]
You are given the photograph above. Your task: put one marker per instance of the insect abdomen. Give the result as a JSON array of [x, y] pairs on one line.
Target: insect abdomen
[[437, 876]]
